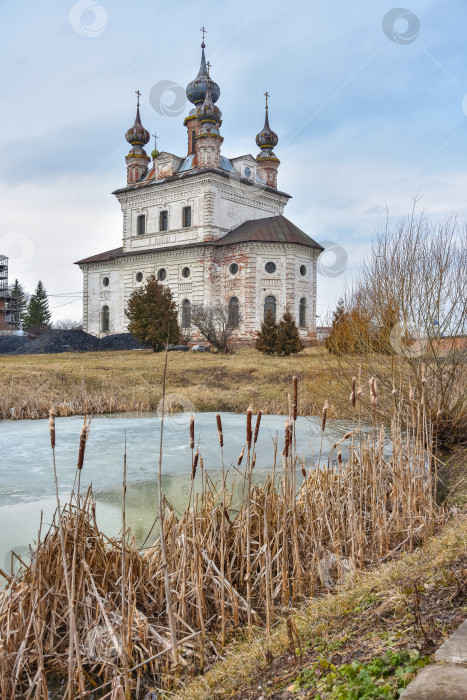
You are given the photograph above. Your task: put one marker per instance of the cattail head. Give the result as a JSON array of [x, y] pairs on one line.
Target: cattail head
[[347, 435], [373, 393], [219, 430], [52, 427], [253, 462], [249, 433], [339, 456], [240, 458], [295, 398], [303, 470], [352, 394], [195, 465], [201, 462], [258, 421], [285, 451], [325, 413], [192, 432], [82, 443]]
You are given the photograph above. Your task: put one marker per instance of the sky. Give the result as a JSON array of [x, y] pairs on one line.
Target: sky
[[369, 101]]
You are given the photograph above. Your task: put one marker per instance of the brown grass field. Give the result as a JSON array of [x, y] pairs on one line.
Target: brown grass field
[[79, 383]]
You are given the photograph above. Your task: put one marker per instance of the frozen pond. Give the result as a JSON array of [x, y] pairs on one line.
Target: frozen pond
[[26, 474]]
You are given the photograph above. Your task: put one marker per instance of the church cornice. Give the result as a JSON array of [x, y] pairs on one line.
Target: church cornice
[[205, 173]]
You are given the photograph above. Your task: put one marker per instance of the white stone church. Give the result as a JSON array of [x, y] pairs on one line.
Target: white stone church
[[210, 228]]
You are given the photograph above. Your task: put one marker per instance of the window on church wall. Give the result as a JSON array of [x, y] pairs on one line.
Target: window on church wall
[[234, 314], [139, 276], [270, 305], [270, 267], [186, 272], [186, 313], [105, 281], [162, 274], [186, 217], [303, 270], [193, 141], [105, 319], [302, 313], [141, 224], [163, 220]]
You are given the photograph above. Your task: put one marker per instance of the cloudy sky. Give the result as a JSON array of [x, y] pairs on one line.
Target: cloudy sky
[[369, 102]]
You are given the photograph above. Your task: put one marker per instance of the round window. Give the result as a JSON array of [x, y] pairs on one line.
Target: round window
[[139, 276], [302, 270], [247, 172], [105, 281], [270, 267], [186, 272], [162, 274], [233, 269]]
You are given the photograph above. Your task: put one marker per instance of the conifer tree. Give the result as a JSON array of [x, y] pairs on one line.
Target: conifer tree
[[288, 338], [18, 304], [38, 313], [153, 315], [267, 336]]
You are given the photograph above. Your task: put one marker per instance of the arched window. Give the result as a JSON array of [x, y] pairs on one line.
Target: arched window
[[302, 313], [193, 141], [186, 313], [233, 312], [270, 305], [105, 319]]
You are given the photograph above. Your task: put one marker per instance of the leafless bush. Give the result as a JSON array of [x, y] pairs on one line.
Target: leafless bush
[[68, 324], [216, 324], [412, 291]]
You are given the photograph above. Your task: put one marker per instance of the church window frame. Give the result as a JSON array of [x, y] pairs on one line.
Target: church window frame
[[186, 314], [139, 277], [193, 141], [186, 272], [141, 225], [162, 274], [164, 220], [303, 270], [105, 281], [270, 267], [186, 217], [105, 319], [270, 304], [234, 312], [233, 268], [302, 307]]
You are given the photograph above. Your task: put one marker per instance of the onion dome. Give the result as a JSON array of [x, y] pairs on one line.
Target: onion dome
[[208, 112], [197, 89], [137, 135], [267, 138]]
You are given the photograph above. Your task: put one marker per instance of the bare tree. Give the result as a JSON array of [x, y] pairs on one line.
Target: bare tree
[[413, 291], [217, 324], [68, 324]]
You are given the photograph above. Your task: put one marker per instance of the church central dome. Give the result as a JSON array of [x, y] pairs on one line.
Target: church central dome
[[197, 89]]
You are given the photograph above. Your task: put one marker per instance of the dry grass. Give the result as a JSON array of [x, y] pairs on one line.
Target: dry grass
[[375, 612], [99, 609], [92, 383]]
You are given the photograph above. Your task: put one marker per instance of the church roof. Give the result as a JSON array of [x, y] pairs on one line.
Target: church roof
[[273, 229]]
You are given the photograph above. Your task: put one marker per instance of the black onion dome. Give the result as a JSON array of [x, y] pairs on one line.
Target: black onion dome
[[197, 89], [267, 138], [137, 135]]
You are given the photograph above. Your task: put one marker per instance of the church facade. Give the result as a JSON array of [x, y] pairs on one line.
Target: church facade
[[210, 228]]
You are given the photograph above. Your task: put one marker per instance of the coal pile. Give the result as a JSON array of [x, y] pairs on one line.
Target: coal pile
[[121, 341], [60, 341], [9, 344]]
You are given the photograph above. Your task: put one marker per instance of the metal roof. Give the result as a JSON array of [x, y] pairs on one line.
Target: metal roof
[[274, 229]]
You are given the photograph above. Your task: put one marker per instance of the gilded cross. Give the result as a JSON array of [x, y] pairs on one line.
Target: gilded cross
[[139, 95], [204, 32], [267, 96]]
